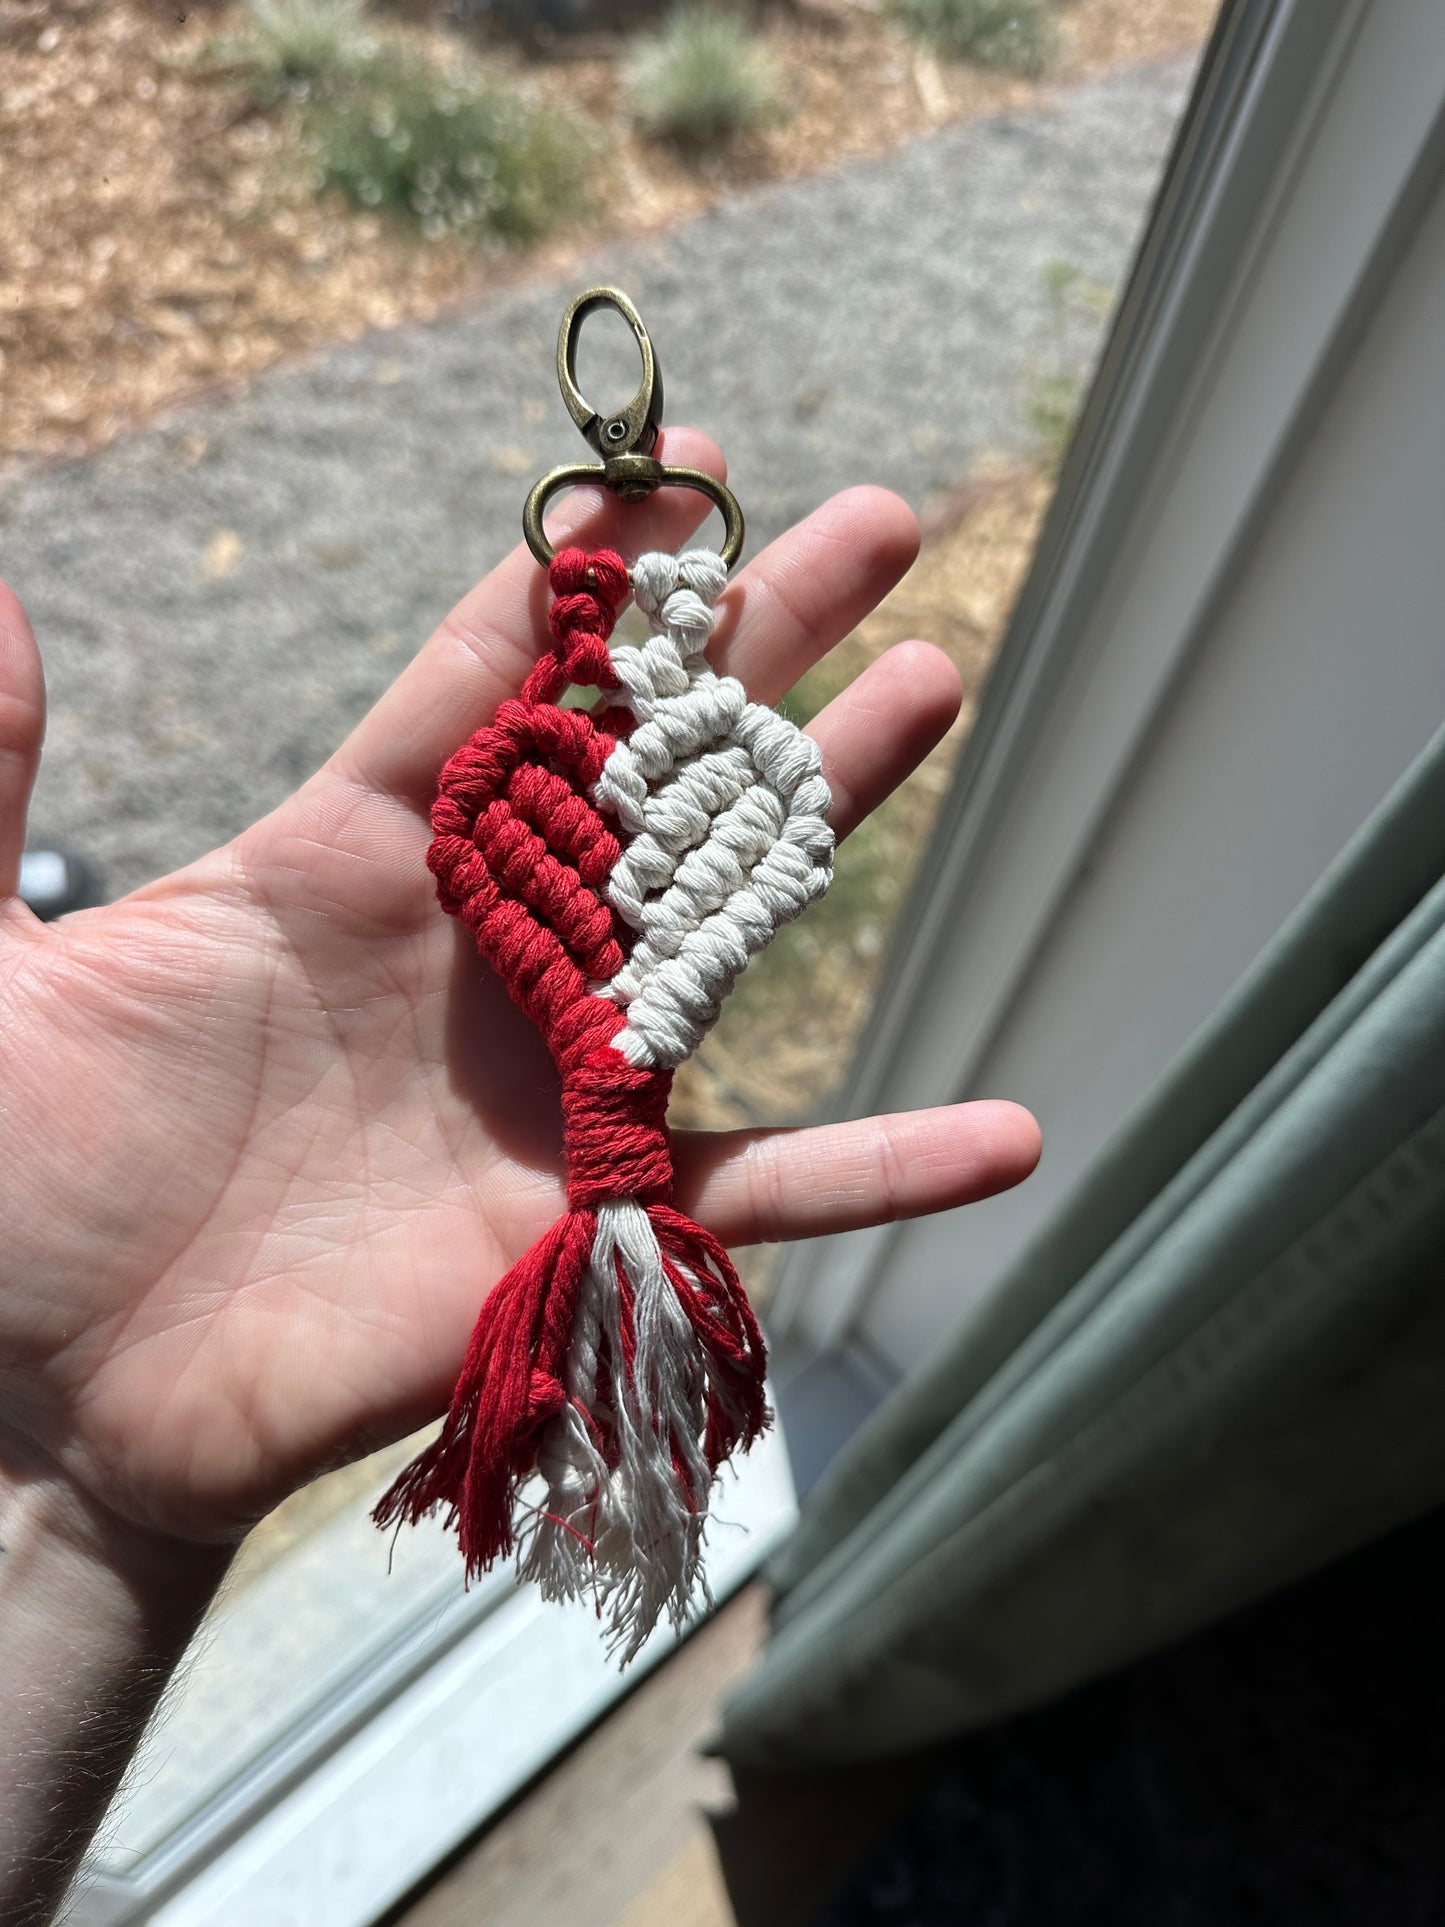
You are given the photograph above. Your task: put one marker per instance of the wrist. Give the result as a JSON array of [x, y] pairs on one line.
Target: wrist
[[94, 1614], [85, 1566]]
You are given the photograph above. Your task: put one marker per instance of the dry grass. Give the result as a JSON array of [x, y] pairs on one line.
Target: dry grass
[[307, 1510], [159, 234]]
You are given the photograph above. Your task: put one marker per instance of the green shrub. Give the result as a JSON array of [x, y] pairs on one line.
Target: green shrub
[[1056, 387], [1014, 36], [391, 129], [703, 79], [296, 45], [454, 153], [1051, 408]]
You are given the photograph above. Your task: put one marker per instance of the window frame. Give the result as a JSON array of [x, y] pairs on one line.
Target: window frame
[[1221, 355]]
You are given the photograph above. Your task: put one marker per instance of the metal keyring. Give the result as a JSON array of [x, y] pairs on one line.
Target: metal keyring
[[624, 440]]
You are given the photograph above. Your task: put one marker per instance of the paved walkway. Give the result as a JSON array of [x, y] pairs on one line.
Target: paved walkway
[[884, 322]]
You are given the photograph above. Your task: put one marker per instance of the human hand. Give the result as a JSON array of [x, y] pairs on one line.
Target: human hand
[[270, 1130]]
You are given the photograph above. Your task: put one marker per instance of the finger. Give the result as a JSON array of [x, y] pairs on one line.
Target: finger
[[811, 587], [483, 650], [766, 1186], [22, 725], [882, 726]]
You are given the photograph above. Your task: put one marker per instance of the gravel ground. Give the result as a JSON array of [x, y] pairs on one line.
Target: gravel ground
[[219, 597]]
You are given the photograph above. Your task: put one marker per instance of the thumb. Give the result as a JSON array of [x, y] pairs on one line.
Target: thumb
[[22, 725]]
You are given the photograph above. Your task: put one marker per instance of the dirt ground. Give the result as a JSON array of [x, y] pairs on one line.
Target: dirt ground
[[159, 234]]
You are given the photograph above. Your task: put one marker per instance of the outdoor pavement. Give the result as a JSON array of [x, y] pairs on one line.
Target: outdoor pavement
[[220, 596]]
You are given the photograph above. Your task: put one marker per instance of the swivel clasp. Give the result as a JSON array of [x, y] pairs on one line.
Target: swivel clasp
[[624, 440]]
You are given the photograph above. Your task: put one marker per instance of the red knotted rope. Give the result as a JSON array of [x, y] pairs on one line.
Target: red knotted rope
[[521, 855]]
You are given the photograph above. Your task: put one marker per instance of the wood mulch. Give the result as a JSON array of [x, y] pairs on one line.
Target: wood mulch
[[159, 235]]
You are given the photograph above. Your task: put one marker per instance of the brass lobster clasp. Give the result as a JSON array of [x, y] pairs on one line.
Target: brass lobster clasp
[[624, 440]]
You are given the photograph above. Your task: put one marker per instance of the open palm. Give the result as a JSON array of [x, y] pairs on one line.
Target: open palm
[[269, 1131]]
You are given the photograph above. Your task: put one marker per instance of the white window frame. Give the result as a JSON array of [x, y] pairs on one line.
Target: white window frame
[[1312, 146]]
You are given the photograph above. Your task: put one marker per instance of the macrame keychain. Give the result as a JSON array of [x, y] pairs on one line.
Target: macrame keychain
[[618, 869]]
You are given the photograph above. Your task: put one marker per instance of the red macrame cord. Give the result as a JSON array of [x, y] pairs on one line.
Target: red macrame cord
[[522, 854]]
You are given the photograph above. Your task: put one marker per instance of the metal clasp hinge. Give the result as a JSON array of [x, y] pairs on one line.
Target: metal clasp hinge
[[624, 440]]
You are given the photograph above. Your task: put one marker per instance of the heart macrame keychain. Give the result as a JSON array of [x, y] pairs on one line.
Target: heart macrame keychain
[[618, 868]]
